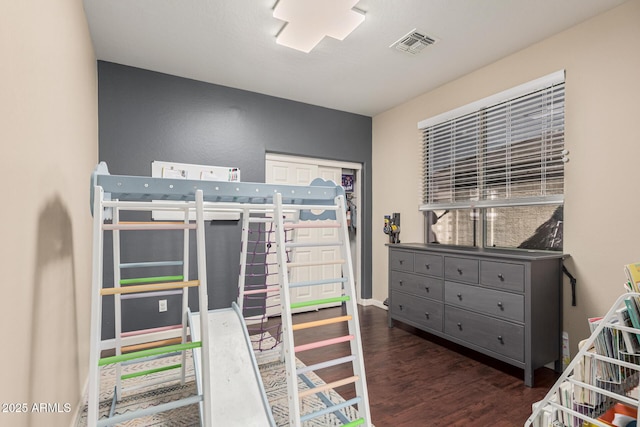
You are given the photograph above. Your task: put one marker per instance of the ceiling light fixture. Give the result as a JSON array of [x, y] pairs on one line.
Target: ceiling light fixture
[[309, 21]]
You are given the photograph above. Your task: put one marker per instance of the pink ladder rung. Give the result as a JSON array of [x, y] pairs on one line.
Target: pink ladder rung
[[263, 291], [323, 343]]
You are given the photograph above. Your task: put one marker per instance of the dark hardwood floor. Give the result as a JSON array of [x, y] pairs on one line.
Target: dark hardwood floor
[[416, 379]]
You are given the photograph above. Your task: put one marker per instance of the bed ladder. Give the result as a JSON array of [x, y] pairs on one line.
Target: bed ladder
[[333, 217], [145, 350]]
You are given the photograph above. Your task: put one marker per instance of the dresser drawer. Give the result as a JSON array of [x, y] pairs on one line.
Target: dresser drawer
[[492, 334], [423, 286], [400, 260], [502, 275], [423, 312], [428, 264], [496, 303], [461, 269]]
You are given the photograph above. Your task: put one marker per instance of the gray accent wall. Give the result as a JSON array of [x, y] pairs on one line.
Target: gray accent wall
[[146, 116]]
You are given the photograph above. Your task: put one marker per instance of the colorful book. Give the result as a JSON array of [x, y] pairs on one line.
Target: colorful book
[[634, 314], [631, 343], [632, 271], [605, 345]]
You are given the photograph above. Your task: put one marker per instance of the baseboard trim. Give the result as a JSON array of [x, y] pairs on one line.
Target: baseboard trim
[[374, 302], [81, 402]]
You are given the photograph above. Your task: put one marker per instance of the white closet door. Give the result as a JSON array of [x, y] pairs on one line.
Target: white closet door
[[329, 253], [293, 173]]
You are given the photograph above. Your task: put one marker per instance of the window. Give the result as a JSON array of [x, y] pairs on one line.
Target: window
[[494, 169]]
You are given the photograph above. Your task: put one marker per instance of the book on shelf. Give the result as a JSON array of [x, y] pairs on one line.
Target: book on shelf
[[631, 343], [586, 372], [548, 415], [606, 344], [565, 396], [634, 313], [632, 271]]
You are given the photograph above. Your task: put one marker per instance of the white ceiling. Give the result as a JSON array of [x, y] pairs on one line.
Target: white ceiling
[[232, 43]]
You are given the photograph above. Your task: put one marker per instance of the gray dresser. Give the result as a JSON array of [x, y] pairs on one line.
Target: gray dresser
[[505, 304]]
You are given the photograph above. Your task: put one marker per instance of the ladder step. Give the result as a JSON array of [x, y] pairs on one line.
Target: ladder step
[[324, 399], [152, 344], [150, 371], [120, 418], [149, 331], [126, 226], [328, 386], [319, 302], [150, 358], [151, 264], [322, 322], [323, 343], [152, 294], [327, 364], [311, 244], [147, 384], [330, 409], [151, 352], [150, 287], [317, 282], [269, 289], [315, 263], [142, 280]]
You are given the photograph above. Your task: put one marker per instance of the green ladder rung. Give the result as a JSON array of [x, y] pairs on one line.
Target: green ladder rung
[[150, 371], [357, 422], [142, 280], [150, 352], [319, 301]]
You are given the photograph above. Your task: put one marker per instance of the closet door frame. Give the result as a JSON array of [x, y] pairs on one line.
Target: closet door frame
[[357, 194]]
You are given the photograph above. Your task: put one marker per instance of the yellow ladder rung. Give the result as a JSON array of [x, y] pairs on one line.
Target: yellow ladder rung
[[325, 387], [149, 287], [151, 344], [323, 322]]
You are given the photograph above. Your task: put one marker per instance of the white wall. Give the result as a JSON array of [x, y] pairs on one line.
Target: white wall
[[601, 58], [48, 131]]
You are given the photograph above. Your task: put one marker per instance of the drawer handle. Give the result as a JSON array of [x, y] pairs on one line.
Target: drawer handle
[[460, 326], [400, 282], [400, 307], [427, 266], [460, 297], [401, 261], [426, 314], [500, 339], [500, 305], [426, 288], [501, 277], [459, 271]]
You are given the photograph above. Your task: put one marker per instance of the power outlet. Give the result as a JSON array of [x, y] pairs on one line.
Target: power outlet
[[162, 305]]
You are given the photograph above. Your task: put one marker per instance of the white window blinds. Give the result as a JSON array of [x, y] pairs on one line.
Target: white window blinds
[[505, 150]]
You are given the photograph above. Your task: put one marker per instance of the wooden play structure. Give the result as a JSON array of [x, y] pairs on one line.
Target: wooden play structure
[[223, 342]]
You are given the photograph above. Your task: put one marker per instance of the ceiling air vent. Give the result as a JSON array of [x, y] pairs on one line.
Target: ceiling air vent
[[413, 42]]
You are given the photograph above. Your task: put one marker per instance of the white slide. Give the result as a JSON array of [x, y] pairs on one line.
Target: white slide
[[237, 393]]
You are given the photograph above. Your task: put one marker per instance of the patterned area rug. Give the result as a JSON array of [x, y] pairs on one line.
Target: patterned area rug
[[273, 376]]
